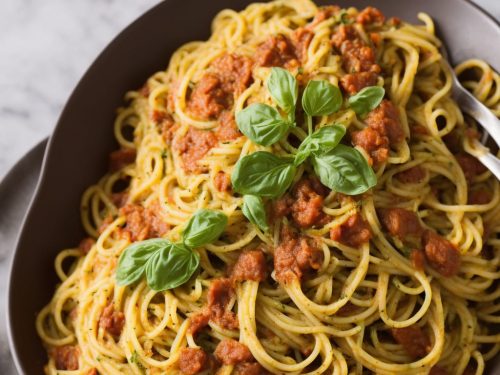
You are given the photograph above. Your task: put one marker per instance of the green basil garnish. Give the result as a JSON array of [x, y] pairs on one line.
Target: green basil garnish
[[284, 89], [322, 140], [367, 99], [168, 265], [254, 210], [344, 169], [205, 226], [171, 267], [133, 260], [262, 124], [321, 98], [263, 174]]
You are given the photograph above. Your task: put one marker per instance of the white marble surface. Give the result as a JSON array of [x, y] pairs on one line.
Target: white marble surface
[[45, 47]]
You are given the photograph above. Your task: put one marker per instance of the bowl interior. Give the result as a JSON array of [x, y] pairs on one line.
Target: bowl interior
[[78, 149]]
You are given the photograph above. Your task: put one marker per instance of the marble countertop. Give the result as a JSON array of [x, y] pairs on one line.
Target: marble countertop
[[46, 46]]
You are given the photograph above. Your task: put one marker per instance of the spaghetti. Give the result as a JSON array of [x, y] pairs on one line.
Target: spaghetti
[[400, 279]]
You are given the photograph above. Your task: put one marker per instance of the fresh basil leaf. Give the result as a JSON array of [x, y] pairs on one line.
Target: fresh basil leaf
[[321, 98], [204, 227], [262, 124], [322, 140], [254, 210], [283, 88], [133, 259], [171, 267], [263, 174], [345, 170], [367, 99]]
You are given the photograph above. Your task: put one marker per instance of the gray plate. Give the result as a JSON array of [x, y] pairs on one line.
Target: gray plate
[[83, 138], [16, 190]]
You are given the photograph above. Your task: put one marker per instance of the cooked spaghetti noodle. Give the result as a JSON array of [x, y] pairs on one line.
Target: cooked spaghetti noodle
[[371, 301]]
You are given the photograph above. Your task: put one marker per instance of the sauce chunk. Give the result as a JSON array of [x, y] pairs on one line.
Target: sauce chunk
[[385, 120], [414, 341], [375, 144], [142, 223], [401, 223], [295, 255], [112, 320], [305, 203], [354, 232], [66, 357], [231, 352], [251, 265], [193, 147], [441, 254], [192, 361]]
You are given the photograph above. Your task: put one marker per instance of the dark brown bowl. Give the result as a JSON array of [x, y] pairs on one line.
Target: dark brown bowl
[[77, 153]]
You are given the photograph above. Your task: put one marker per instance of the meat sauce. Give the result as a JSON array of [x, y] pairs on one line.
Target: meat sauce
[[413, 340], [112, 320], [251, 265], [222, 182], [305, 204], [412, 175], [470, 166], [219, 295], [295, 255], [193, 361], [66, 357], [385, 120], [231, 352], [193, 147], [142, 223], [441, 254], [438, 252], [354, 232], [401, 223], [375, 144], [228, 75], [121, 158]]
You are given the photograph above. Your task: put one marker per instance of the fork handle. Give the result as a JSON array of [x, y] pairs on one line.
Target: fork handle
[[481, 113], [491, 162]]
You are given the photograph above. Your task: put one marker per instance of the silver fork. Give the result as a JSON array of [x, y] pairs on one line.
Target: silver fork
[[474, 108]]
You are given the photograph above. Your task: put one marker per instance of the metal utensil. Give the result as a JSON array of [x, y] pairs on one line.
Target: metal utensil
[[474, 108]]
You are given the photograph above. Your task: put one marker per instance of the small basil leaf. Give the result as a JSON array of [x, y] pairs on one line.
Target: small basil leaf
[[345, 170], [322, 140], [171, 267], [133, 259], [204, 227], [321, 98], [367, 99], [263, 174], [262, 124], [283, 88], [254, 210]]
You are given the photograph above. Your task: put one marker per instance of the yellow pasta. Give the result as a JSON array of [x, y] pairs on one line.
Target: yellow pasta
[[337, 319]]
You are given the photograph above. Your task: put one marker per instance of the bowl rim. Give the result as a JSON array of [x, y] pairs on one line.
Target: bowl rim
[[47, 154]]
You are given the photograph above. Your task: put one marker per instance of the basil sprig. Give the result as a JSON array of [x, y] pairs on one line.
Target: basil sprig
[[323, 140], [262, 123], [366, 100], [344, 169], [166, 264], [263, 174], [339, 167], [320, 98], [284, 89], [254, 210]]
